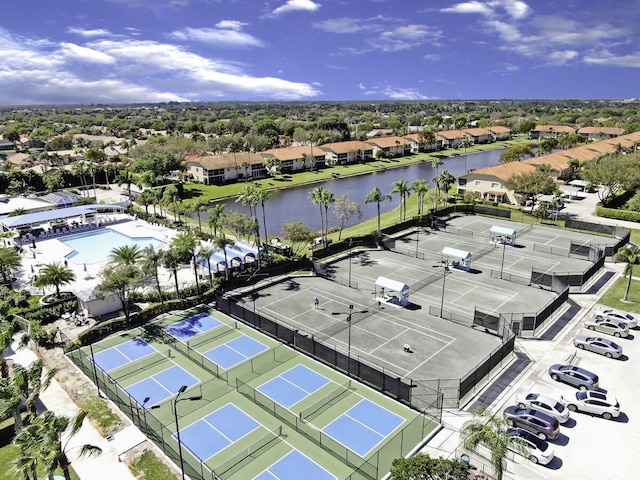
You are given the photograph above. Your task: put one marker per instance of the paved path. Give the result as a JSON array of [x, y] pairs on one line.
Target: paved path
[[585, 208], [103, 467]]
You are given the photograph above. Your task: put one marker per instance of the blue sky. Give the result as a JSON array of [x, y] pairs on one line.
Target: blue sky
[[132, 51]]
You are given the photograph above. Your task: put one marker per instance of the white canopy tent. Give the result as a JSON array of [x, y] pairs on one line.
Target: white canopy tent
[[459, 258], [388, 287], [503, 235]]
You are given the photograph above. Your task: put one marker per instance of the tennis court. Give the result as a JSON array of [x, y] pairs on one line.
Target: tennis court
[[273, 412]]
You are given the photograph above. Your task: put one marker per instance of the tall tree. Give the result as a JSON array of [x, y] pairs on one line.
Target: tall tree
[[47, 437], [324, 199], [420, 187], [170, 197], [215, 217], [465, 143], [126, 254], [446, 180], [204, 252], [121, 280], [151, 263], [376, 196], [54, 274], [262, 196], [401, 187], [186, 244], [344, 210], [10, 260], [630, 256], [198, 206], [171, 261], [435, 163], [221, 242], [489, 430]]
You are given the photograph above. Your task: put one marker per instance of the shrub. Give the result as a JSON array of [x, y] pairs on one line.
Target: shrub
[[626, 215]]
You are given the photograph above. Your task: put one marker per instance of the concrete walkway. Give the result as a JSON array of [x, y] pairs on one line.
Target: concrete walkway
[[106, 466], [584, 209]]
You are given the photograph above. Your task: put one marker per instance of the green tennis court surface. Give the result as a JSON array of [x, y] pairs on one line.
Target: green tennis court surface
[[251, 408]]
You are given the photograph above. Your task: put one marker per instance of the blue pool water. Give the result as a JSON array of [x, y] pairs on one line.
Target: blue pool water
[[95, 247]]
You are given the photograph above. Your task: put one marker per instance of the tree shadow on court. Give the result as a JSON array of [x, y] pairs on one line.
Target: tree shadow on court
[[290, 285], [364, 260], [152, 333]]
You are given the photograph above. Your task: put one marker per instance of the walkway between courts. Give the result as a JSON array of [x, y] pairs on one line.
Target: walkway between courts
[[107, 465]]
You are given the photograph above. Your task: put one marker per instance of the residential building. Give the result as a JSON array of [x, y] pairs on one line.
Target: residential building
[[416, 145], [293, 159], [389, 146], [551, 131], [500, 133], [220, 169], [479, 135], [7, 144], [489, 183], [450, 138], [342, 153], [601, 133]]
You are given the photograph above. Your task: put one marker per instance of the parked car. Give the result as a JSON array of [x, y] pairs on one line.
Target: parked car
[[599, 345], [538, 423], [545, 404], [598, 403], [535, 449], [574, 376], [620, 315], [605, 325]]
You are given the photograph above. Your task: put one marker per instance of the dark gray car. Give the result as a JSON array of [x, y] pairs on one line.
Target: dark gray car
[[574, 376], [536, 422]]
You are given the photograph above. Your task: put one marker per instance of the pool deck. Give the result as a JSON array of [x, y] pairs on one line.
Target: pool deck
[[87, 276]]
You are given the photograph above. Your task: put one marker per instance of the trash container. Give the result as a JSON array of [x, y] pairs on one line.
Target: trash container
[[464, 459]]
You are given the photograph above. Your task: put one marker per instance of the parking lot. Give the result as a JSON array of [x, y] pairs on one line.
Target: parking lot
[[589, 447]]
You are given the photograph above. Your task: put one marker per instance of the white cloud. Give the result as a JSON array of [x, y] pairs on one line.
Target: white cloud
[[469, 7], [229, 36], [127, 71], [231, 24], [403, 93], [96, 32], [296, 5], [403, 38], [605, 57], [71, 51], [515, 8], [560, 57], [339, 25]]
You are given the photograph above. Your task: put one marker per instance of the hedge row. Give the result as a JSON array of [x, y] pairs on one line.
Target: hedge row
[[49, 313], [626, 215]]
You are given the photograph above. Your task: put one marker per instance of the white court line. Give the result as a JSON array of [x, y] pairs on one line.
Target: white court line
[[391, 339], [365, 426], [497, 309], [427, 360]]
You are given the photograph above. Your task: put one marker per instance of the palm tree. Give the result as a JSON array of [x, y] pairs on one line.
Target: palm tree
[[221, 242], [43, 439], [55, 274], [10, 260], [215, 217], [126, 254], [378, 197], [125, 177], [489, 430], [198, 206], [465, 143], [445, 180], [171, 260], [185, 243], [316, 198], [151, 262], [170, 197], [145, 199], [205, 252], [79, 169], [27, 384], [261, 197], [6, 338], [402, 187], [435, 163], [420, 187], [247, 197], [631, 256]]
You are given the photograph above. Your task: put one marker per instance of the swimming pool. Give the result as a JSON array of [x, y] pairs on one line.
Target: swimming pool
[[95, 247]]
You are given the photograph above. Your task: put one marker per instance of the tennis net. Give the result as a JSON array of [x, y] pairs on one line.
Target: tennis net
[[211, 335], [249, 453], [138, 366], [322, 404]]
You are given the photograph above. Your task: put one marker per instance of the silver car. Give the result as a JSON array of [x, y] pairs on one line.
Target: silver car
[[598, 345], [598, 403], [619, 315], [545, 404], [605, 325]]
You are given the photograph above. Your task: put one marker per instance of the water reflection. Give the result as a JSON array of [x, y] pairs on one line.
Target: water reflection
[[294, 203]]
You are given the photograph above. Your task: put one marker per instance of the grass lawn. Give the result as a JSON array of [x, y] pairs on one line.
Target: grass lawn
[[613, 297], [9, 453], [148, 467]]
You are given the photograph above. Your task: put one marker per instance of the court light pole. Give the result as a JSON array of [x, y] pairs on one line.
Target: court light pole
[[504, 245], [181, 390], [144, 412], [445, 270], [350, 243], [349, 315]]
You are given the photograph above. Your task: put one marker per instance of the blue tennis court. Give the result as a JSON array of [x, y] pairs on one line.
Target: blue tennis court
[[192, 326], [215, 432], [161, 386], [293, 466], [120, 355], [363, 426], [295, 384], [235, 351]]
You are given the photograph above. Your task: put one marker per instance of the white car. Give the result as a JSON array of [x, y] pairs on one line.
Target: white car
[[597, 403], [529, 445], [619, 315], [605, 325], [544, 404]]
